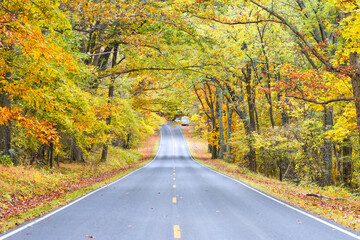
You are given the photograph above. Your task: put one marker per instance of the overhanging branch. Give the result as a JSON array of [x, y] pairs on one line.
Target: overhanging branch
[[151, 69], [341, 99], [238, 22]]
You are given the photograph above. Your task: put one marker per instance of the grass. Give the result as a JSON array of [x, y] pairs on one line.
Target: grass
[[344, 212], [27, 192]]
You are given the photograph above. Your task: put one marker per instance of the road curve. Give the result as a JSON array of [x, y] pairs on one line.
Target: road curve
[[174, 197]]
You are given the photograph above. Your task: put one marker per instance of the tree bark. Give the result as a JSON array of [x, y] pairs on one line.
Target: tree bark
[[251, 106], [228, 135], [207, 114], [210, 102], [284, 115], [5, 130], [355, 82], [268, 76], [5, 136], [221, 124], [51, 155], [347, 162], [110, 97], [328, 145]]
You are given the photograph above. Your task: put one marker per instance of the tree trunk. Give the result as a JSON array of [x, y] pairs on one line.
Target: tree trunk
[[5, 130], [76, 152], [51, 155], [328, 146], [5, 137], [57, 160], [280, 163], [347, 162], [251, 104], [209, 115], [110, 97], [355, 82], [214, 150], [228, 136], [238, 99], [221, 124], [108, 122], [268, 76], [210, 102]]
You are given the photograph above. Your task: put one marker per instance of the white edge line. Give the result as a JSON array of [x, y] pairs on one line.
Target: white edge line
[[16, 230], [277, 200]]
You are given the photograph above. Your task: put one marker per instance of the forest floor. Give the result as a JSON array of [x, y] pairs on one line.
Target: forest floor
[[345, 210], [27, 192]]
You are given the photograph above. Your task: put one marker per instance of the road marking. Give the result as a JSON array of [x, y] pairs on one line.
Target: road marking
[[174, 174], [174, 200], [174, 186], [174, 178], [177, 233]]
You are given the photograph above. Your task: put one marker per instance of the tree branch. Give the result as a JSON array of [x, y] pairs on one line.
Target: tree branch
[[236, 23], [300, 35], [341, 99], [151, 69]]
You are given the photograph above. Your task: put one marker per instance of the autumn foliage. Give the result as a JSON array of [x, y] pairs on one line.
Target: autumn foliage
[[273, 86]]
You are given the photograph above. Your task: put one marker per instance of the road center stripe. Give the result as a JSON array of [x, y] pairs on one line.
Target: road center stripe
[[174, 200], [177, 233]]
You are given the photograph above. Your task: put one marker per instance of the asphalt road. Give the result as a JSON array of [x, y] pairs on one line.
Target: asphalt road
[[174, 197]]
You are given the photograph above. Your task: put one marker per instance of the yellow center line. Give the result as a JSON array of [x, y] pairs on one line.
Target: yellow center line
[[177, 233], [174, 186], [174, 200]]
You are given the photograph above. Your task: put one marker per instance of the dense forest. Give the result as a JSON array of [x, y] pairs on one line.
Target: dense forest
[[273, 85]]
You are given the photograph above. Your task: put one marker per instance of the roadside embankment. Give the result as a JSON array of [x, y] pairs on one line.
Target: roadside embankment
[[27, 192]]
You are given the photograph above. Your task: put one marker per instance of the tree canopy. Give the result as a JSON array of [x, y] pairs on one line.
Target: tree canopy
[[273, 85]]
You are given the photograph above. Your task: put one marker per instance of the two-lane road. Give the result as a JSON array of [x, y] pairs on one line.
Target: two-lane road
[[174, 197]]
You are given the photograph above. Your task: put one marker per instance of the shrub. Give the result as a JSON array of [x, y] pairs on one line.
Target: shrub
[[5, 160]]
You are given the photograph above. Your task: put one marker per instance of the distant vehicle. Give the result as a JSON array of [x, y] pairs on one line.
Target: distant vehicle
[[185, 120], [177, 120]]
